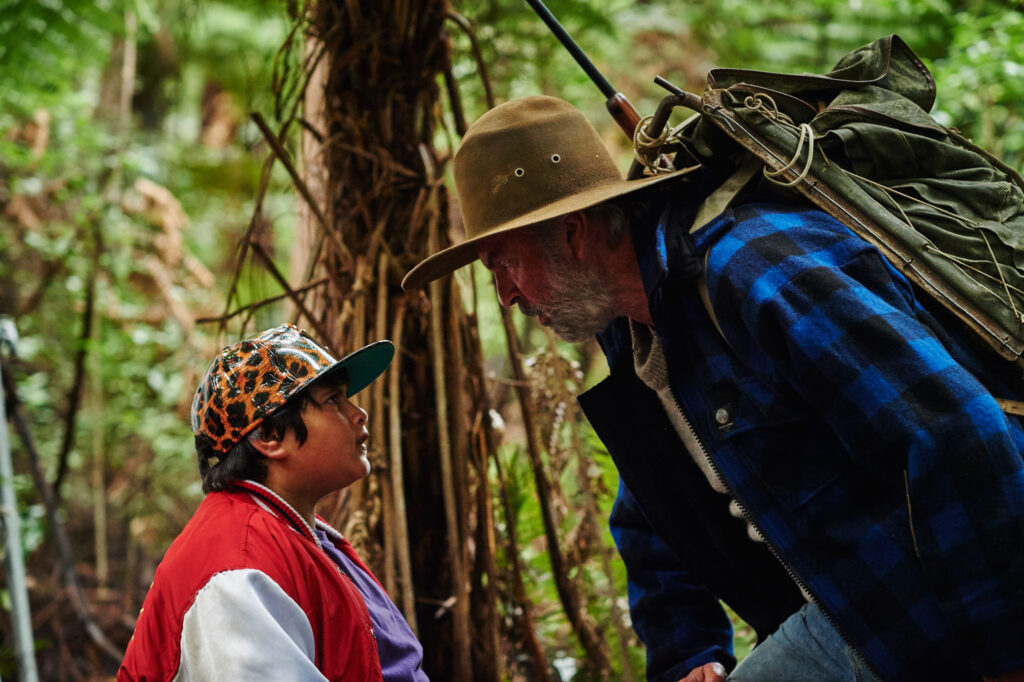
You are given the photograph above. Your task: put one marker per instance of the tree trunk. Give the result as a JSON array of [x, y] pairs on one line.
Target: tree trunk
[[99, 466], [377, 205], [384, 200]]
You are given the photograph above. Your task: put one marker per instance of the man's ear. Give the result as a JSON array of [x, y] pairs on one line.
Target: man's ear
[[271, 447], [576, 227]]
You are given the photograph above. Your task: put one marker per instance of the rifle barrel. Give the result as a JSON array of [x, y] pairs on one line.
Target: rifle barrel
[[620, 108], [563, 37]]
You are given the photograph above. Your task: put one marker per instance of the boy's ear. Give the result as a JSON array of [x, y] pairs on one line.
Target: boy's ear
[[271, 447]]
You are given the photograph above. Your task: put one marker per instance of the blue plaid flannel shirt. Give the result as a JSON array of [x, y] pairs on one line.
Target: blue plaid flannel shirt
[[859, 442]]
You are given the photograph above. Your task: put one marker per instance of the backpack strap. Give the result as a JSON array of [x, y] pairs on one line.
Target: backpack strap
[[711, 208], [719, 200], [1014, 407]]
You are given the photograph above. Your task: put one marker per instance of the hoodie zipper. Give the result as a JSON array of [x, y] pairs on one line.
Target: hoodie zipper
[[804, 587]]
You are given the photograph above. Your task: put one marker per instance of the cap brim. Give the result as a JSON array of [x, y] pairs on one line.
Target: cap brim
[[454, 257], [363, 365]]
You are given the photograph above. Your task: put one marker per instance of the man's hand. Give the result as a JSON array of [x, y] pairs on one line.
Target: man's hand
[[709, 672]]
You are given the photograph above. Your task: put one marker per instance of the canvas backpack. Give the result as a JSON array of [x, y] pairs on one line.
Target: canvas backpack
[[858, 143]]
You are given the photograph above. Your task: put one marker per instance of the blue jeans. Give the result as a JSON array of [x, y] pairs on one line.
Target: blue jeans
[[805, 648]]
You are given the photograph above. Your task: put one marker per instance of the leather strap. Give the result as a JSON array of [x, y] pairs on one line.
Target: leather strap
[[720, 199], [1014, 407], [712, 207]]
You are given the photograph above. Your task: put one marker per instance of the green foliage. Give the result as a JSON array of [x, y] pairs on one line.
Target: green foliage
[[47, 46], [80, 184], [981, 81], [130, 346], [972, 46]]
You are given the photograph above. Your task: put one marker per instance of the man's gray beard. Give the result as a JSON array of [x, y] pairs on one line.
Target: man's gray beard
[[582, 304]]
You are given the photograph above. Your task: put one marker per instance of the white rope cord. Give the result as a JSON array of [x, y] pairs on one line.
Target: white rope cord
[[766, 106], [966, 265], [647, 149], [1017, 315], [806, 133], [890, 190], [1006, 287]]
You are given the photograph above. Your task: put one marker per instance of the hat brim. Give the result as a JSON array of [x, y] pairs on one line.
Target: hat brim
[[454, 257], [363, 366]]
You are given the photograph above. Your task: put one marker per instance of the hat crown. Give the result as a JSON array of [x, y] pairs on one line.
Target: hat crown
[[525, 155], [250, 379], [522, 163]]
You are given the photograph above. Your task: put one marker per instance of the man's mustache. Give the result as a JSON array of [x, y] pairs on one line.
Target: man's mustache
[[529, 309]]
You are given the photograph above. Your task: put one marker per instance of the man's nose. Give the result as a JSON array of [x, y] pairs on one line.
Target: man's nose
[[508, 294]]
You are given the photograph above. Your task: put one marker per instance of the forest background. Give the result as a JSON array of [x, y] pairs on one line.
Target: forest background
[[177, 173]]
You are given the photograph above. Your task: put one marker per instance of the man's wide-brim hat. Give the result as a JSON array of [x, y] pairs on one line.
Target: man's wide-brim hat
[[521, 163], [251, 379]]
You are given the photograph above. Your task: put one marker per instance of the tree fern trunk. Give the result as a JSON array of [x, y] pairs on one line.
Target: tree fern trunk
[[383, 199]]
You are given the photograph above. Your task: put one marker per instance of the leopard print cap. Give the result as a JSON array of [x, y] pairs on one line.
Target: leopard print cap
[[251, 379]]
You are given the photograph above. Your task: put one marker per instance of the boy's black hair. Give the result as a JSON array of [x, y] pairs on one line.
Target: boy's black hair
[[244, 462]]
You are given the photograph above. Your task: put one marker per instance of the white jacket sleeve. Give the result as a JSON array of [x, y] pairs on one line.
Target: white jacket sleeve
[[243, 626]]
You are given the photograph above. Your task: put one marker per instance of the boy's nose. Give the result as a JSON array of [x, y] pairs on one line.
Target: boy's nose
[[356, 414]]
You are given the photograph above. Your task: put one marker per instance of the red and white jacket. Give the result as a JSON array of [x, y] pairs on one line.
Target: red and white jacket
[[246, 593]]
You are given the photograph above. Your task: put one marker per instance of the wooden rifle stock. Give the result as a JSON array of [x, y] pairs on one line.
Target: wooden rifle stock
[[624, 113]]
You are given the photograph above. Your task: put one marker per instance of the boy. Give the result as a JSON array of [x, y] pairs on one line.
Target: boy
[[256, 586]]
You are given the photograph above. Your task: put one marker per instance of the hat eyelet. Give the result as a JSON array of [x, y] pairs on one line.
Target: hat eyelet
[[520, 172], [555, 158]]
